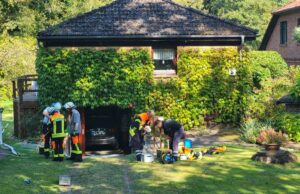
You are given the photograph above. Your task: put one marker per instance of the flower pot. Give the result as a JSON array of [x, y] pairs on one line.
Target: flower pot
[[272, 147]]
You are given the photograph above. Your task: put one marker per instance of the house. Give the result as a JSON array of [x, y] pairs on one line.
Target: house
[[279, 34], [161, 26]]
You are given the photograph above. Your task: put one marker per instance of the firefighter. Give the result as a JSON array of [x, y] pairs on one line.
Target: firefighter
[[75, 129], [136, 131], [46, 133], [58, 133], [174, 130]]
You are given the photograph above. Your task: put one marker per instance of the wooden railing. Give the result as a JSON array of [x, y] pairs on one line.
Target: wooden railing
[[22, 85]]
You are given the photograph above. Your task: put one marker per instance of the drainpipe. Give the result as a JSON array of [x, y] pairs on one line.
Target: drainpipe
[[3, 145], [241, 47]]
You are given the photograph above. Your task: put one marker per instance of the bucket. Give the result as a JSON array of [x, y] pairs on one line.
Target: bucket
[[147, 158], [183, 157], [188, 143]]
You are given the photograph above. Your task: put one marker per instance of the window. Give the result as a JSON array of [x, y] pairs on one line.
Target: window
[[164, 58], [298, 22], [283, 32]]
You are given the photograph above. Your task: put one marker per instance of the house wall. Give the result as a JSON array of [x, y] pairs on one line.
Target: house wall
[[291, 51]]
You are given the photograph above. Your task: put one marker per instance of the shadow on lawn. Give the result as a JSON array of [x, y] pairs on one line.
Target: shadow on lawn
[[217, 174], [218, 177]]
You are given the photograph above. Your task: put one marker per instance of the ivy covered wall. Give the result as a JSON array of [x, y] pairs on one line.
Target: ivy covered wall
[[203, 86], [93, 78]]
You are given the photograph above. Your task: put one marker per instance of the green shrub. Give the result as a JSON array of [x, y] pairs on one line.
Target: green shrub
[[93, 78], [267, 64], [251, 129], [289, 123], [204, 87], [295, 91]]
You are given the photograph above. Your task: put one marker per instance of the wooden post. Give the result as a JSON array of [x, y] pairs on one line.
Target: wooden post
[[20, 109], [14, 89]]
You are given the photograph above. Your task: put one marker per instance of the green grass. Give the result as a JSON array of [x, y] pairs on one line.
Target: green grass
[[7, 117], [231, 172]]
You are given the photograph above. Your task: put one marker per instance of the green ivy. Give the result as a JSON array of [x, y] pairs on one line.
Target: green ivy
[[93, 78], [204, 87]]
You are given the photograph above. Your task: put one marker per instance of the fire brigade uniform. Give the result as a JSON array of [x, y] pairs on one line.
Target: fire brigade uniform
[[46, 132], [175, 131], [58, 135], [136, 134], [76, 153]]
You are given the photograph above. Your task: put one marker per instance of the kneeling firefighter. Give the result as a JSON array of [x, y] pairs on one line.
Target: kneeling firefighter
[[58, 133], [174, 130], [136, 132], [75, 129]]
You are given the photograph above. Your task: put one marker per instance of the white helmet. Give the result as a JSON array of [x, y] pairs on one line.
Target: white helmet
[[147, 129], [69, 105], [50, 109], [57, 106], [161, 119]]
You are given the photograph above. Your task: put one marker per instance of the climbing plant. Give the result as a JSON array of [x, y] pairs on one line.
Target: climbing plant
[[93, 78]]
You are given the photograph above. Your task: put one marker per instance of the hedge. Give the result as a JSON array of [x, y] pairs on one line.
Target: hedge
[[267, 65], [289, 123]]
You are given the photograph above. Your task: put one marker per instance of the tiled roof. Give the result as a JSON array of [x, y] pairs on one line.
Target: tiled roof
[[288, 7], [146, 18]]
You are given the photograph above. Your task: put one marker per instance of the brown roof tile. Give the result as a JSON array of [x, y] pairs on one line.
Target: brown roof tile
[[288, 7], [146, 18]]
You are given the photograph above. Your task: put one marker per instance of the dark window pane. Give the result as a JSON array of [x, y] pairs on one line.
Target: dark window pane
[[164, 65], [283, 32], [298, 22]]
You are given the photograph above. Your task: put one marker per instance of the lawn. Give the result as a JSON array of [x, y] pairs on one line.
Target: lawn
[[231, 172]]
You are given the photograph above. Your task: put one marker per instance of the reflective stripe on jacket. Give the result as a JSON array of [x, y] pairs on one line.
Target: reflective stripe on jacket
[[135, 125], [58, 125]]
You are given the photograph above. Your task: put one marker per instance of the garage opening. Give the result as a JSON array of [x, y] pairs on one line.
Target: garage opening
[[107, 128]]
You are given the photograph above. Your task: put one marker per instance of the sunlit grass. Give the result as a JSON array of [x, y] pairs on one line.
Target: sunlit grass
[[7, 117], [232, 172]]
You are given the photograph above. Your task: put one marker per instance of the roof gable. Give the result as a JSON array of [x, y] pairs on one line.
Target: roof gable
[[146, 18], [293, 6], [288, 7]]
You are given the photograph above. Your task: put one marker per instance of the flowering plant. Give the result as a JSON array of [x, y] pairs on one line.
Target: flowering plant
[[270, 136]]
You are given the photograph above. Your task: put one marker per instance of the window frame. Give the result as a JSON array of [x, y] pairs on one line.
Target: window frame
[[283, 33], [166, 72]]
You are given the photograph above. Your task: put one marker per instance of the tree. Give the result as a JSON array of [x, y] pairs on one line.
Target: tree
[[297, 34], [27, 17], [255, 14], [17, 57], [197, 4]]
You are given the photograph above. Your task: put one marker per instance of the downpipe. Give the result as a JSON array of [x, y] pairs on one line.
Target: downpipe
[[2, 144]]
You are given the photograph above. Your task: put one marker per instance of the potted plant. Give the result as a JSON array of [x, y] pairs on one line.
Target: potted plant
[[271, 139]]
